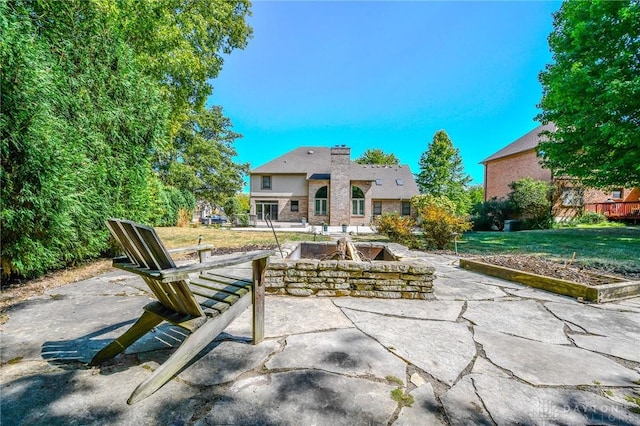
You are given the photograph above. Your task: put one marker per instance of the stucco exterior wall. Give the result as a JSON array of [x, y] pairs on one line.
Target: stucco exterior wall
[[292, 185], [501, 172]]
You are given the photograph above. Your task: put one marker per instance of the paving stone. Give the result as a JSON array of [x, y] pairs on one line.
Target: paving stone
[[616, 346], [537, 294], [482, 366], [67, 396], [546, 364], [463, 406], [284, 315], [441, 348], [446, 288], [602, 322], [422, 309], [536, 406], [526, 318], [417, 380], [303, 397], [346, 351], [225, 361], [424, 410], [66, 327]]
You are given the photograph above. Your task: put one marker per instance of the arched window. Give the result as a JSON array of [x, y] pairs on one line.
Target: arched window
[[357, 201], [321, 201]]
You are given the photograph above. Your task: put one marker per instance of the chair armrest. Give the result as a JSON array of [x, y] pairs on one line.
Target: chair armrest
[[200, 247], [204, 251], [183, 272]]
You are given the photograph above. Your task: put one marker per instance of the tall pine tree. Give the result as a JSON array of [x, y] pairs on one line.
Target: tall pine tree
[[442, 172]]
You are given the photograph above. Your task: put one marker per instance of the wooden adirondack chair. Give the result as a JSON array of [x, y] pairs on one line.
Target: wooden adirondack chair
[[204, 306]]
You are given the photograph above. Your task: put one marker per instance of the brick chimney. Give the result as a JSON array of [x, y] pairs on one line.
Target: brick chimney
[[340, 189]]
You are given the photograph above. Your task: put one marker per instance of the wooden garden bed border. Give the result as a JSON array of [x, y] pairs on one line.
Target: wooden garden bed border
[[598, 294]]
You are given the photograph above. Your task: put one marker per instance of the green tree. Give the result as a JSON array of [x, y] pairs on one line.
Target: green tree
[[532, 199], [591, 92], [181, 44], [476, 194], [377, 156], [442, 172], [201, 161], [79, 124]]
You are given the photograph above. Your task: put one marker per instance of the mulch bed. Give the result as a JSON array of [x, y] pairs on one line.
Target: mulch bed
[[549, 268]]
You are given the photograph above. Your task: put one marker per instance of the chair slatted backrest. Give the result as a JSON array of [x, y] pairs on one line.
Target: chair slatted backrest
[[144, 249]]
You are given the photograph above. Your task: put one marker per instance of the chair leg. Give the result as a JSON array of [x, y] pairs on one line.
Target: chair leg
[[190, 347], [257, 294], [145, 323]]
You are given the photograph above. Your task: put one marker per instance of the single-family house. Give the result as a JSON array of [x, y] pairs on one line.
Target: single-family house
[[320, 185], [519, 160]]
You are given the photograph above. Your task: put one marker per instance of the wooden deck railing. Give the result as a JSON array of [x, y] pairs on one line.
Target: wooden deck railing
[[616, 210]]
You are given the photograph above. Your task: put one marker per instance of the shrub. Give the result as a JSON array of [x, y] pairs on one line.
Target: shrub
[[490, 213], [439, 226], [532, 199], [590, 218], [398, 229], [185, 217]]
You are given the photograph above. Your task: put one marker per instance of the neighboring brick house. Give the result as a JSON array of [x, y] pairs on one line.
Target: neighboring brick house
[[519, 160], [322, 185]]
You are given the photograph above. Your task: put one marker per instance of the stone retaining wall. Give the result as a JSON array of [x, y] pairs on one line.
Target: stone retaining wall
[[407, 279]]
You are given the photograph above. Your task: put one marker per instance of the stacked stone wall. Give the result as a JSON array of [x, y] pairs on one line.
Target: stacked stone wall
[[407, 279]]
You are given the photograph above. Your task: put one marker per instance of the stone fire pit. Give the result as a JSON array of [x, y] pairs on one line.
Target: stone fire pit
[[303, 272]]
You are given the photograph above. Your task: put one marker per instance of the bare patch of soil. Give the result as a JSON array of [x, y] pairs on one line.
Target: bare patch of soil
[[561, 270]]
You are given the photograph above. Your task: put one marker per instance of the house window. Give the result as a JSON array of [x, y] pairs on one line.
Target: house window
[[294, 206], [572, 197], [266, 182], [399, 182], [357, 201], [406, 208], [321, 201], [379, 182], [377, 208], [616, 193]]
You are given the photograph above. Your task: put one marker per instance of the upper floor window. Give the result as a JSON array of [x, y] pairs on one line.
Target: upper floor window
[[572, 197], [266, 182], [357, 201], [616, 193]]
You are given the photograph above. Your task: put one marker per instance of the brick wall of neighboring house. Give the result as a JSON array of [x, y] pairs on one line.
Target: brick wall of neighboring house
[[499, 173], [314, 185], [569, 200]]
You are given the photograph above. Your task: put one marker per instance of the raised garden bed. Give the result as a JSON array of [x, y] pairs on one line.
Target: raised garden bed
[[561, 279]]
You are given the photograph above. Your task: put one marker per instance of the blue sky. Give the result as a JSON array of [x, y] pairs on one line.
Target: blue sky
[[386, 75]]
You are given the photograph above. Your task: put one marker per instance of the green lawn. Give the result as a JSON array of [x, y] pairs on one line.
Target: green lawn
[[613, 249]]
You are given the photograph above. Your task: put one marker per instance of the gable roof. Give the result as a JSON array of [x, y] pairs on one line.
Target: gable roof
[[304, 160], [396, 181], [522, 144]]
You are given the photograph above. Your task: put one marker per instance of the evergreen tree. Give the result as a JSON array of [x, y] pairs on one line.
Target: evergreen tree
[[442, 172]]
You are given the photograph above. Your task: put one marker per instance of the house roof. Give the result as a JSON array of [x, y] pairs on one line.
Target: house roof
[[522, 144], [389, 181], [307, 160]]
